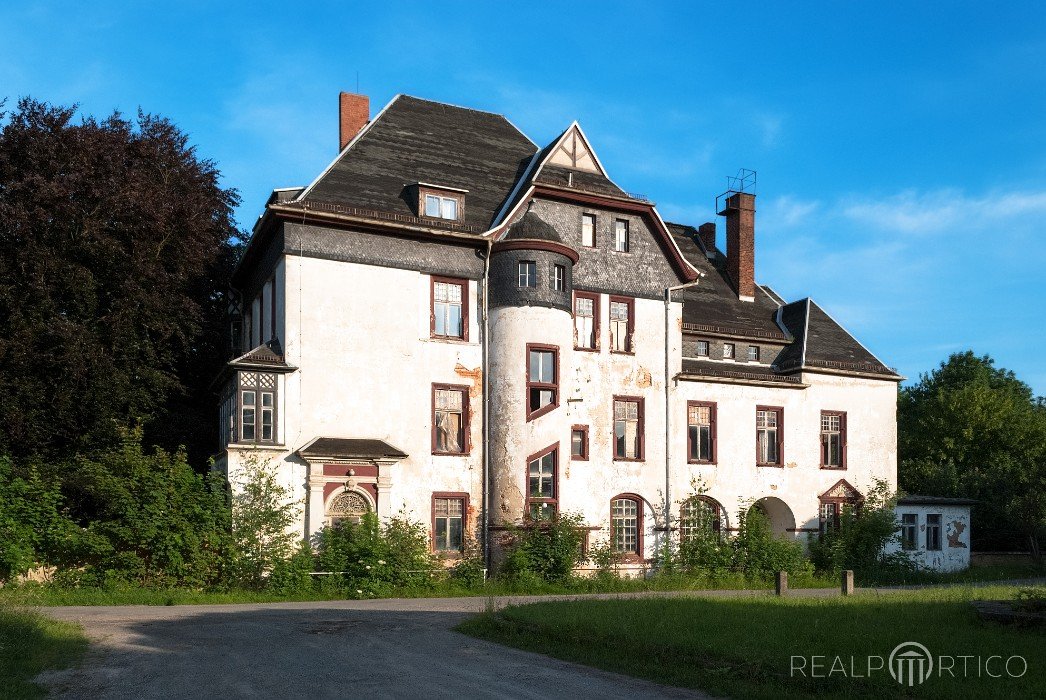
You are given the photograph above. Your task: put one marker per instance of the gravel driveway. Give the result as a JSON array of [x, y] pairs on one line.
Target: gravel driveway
[[332, 649]]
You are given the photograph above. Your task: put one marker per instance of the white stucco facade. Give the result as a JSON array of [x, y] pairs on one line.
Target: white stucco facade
[[947, 548]]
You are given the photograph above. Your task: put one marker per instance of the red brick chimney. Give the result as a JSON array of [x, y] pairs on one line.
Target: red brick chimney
[[706, 232], [740, 243], [353, 113]]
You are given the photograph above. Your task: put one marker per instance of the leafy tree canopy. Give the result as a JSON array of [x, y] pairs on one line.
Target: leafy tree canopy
[[118, 240], [970, 429]]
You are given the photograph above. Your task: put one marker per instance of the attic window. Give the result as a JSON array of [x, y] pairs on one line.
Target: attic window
[[441, 207], [436, 202]]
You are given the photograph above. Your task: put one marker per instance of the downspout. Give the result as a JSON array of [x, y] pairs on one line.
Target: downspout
[[486, 412], [668, 406]]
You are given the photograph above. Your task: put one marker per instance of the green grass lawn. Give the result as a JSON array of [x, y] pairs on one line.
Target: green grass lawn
[[31, 643], [743, 647]]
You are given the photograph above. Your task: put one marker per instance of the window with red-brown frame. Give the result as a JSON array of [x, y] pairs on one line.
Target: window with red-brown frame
[[449, 308], [622, 324], [628, 428], [449, 521], [586, 321], [626, 525], [450, 419], [543, 483], [579, 443], [701, 432], [833, 440], [542, 379], [769, 436]]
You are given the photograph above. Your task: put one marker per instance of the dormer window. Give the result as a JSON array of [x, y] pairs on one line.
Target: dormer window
[[441, 207], [436, 202]]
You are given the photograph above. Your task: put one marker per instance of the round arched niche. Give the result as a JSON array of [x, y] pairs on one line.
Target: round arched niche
[[782, 521]]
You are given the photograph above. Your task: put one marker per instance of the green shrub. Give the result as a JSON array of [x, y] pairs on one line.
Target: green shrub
[[547, 550], [371, 559], [263, 516], [31, 524], [705, 551], [291, 576], [758, 553], [859, 542]]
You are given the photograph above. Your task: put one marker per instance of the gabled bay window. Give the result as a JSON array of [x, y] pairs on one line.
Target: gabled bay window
[[254, 418]]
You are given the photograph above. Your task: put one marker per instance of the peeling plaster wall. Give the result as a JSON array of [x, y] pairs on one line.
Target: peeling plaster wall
[[954, 554], [360, 336], [736, 481]]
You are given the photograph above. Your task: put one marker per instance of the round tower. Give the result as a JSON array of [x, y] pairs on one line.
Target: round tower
[[531, 347]]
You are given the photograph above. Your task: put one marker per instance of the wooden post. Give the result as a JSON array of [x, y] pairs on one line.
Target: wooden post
[[848, 582], [781, 583]]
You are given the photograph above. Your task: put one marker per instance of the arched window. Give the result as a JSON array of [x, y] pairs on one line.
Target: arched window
[[700, 514], [626, 524], [347, 507]]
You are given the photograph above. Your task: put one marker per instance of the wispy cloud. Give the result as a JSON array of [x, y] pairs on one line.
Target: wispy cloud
[[914, 212]]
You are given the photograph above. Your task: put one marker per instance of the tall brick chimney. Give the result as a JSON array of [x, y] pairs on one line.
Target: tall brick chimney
[[353, 115], [706, 232], [740, 243]]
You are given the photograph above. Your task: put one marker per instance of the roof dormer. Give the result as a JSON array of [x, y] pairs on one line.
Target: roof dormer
[[440, 202]]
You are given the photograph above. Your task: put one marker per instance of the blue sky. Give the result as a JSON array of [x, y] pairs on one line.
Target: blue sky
[[901, 147]]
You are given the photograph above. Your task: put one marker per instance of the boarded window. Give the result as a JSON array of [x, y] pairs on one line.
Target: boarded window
[[621, 242], [620, 326], [588, 230], [586, 323], [728, 351]]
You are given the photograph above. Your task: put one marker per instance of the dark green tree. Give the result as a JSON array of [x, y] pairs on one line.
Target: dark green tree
[[118, 240], [970, 429]]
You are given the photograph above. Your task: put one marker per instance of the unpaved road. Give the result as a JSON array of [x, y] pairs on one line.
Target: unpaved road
[[332, 649]]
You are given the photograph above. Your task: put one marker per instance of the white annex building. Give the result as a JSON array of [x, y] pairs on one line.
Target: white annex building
[[457, 323]]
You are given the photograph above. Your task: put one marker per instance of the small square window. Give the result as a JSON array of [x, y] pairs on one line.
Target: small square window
[[528, 273], [702, 348], [728, 351], [559, 278], [439, 207], [753, 353], [588, 230]]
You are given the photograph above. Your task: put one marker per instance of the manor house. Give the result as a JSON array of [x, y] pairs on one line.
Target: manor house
[[456, 323]]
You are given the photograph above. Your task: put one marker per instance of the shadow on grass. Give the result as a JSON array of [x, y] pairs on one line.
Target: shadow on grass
[[31, 644], [317, 652]]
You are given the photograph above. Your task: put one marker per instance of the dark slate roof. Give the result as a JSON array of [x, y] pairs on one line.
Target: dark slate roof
[[935, 501], [753, 373], [532, 227], [821, 342], [350, 448], [713, 305], [415, 140], [583, 180]]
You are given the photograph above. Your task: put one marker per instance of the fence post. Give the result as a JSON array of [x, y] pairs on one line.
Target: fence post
[[848, 582], [781, 583]]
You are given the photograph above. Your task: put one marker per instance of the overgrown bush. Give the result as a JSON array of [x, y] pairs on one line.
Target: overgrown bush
[[370, 559], [759, 553], [32, 526], [155, 522], [547, 550], [859, 542], [262, 517]]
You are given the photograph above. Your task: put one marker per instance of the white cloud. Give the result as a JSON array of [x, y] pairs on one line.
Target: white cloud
[[915, 212]]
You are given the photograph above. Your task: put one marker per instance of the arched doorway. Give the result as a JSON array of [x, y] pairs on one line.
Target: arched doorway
[[782, 522], [348, 507]]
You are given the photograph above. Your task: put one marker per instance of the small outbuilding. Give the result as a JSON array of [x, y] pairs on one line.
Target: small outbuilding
[[935, 531]]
